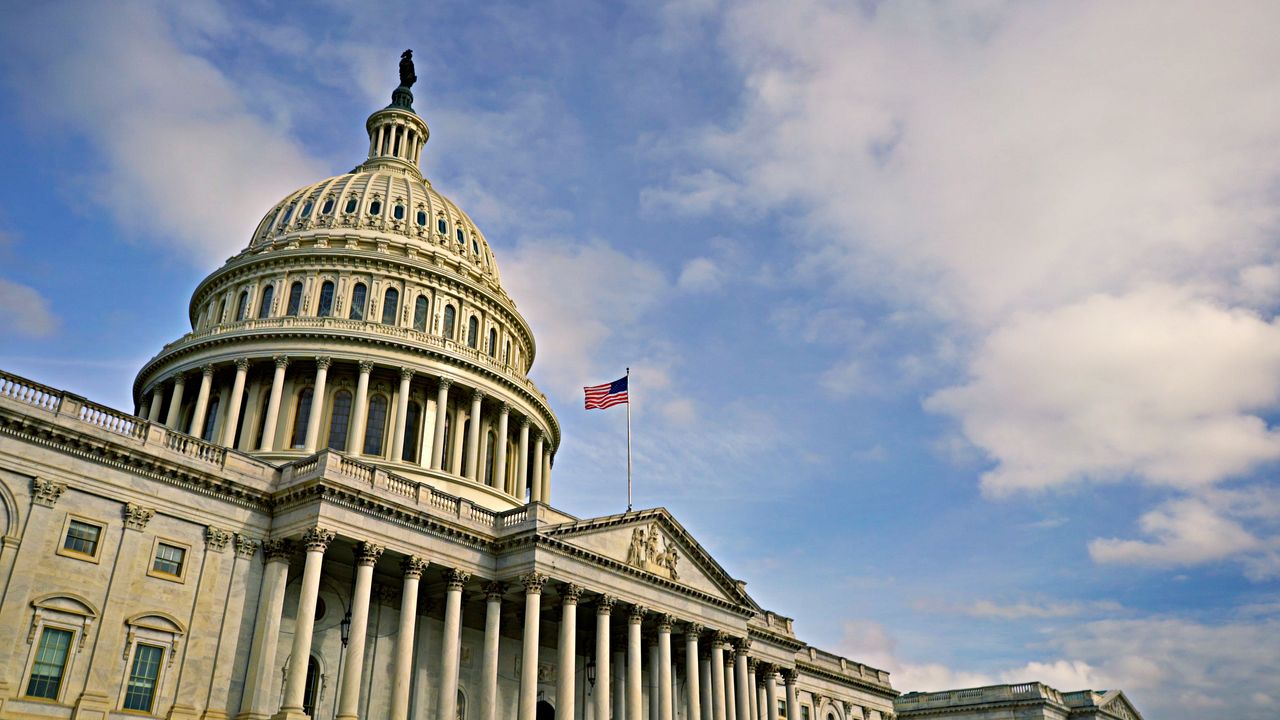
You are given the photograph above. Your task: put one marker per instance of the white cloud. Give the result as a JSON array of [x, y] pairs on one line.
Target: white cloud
[[700, 275], [1064, 675], [1187, 531], [27, 312], [696, 193], [179, 157]]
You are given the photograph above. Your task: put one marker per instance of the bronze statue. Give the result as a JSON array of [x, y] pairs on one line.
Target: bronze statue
[[407, 78]]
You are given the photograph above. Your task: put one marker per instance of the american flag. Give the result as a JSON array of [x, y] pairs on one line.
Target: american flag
[[607, 395]]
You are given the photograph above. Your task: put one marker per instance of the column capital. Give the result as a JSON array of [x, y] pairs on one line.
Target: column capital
[[242, 364], [456, 578], [317, 538], [665, 622], [366, 367], [741, 646], [504, 407], [719, 638], [367, 553], [570, 593], [477, 395], [494, 590], [215, 538], [281, 361], [136, 517], [323, 362], [767, 670], [694, 630], [277, 549], [207, 370], [636, 616], [245, 546], [525, 422], [533, 582], [444, 383], [179, 377], [789, 676], [413, 566], [406, 373], [752, 664], [604, 604]]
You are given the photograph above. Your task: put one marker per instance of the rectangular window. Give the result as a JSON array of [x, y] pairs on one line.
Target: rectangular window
[[50, 663], [804, 712], [141, 692], [169, 559], [782, 708], [82, 537]]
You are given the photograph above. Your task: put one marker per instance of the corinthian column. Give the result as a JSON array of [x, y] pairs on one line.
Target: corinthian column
[[535, 483], [793, 700], [367, 555], [693, 691], [175, 402], [266, 630], [449, 645], [533, 583], [316, 540], [771, 691], [202, 401], [664, 667], [522, 460], [492, 627], [635, 657], [565, 670], [402, 411], [317, 405], [273, 404], [500, 451], [717, 676], [473, 435], [742, 684], [604, 608], [360, 413], [233, 407], [413, 567], [442, 413]]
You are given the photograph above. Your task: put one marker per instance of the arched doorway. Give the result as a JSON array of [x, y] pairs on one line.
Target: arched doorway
[[544, 711]]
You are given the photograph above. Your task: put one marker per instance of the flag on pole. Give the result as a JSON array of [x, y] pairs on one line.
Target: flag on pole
[[607, 395]]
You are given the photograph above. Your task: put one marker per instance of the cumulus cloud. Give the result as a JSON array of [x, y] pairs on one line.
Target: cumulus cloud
[[178, 156], [700, 275], [28, 314]]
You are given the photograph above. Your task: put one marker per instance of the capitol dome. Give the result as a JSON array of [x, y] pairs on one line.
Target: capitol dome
[[365, 316]]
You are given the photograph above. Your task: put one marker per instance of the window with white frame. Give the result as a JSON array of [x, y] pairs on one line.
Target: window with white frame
[[58, 626], [153, 640], [81, 538]]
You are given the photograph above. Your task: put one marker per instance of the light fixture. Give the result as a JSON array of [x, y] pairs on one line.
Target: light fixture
[[591, 672], [345, 626]]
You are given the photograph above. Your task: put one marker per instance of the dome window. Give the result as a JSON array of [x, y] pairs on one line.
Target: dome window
[[306, 209], [359, 295], [375, 207], [450, 317], [352, 203], [398, 212], [475, 246], [327, 207], [442, 227], [264, 306], [339, 420], [326, 299], [420, 314], [295, 299], [473, 332], [493, 342], [390, 304], [462, 240], [287, 214], [242, 305], [376, 425], [422, 218]]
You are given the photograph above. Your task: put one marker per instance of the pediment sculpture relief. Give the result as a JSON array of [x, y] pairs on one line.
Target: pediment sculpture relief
[[651, 552]]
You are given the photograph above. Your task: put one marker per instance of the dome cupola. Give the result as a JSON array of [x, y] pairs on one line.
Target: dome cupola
[[366, 316]]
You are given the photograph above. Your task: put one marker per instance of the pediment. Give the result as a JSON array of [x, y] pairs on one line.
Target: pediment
[[652, 542], [1118, 705]]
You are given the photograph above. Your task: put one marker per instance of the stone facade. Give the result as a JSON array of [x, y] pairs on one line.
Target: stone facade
[[1026, 701]]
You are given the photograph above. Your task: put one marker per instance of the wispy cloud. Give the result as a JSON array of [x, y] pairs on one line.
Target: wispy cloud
[[28, 313]]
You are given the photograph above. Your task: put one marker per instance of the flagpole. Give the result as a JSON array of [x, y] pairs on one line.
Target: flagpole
[[628, 439]]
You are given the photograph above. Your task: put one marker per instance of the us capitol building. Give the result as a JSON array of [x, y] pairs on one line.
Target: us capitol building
[[334, 501]]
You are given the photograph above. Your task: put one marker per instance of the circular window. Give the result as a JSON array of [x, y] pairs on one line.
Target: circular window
[[320, 608]]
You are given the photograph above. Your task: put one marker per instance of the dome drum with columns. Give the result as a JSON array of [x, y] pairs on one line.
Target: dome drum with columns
[[365, 316]]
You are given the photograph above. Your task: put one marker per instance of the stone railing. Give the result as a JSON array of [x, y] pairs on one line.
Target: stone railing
[[423, 339], [844, 666], [84, 415], [424, 496], [978, 696]]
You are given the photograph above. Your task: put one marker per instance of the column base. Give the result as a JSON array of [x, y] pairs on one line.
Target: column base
[[91, 706], [291, 714], [182, 712], [214, 715]]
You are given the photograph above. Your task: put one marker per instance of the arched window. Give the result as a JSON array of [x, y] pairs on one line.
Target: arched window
[[301, 417], [450, 318], [412, 416], [462, 240], [466, 442], [375, 207], [326, 299], [352, 204], [262, 421], [222, 310], [210, 420], [473, 332], [242, 305], [420, 307], [442, 226], [506, 352], [376, 426], [493, 342], [462, 706], [287, 214], [311, 689], [340, 420], [422, 218], [446, 454], [295, 299], [358, 297], [390, 306], [327, 208], [264, 304], [398, 212], [490, 448], [475, 246], [306, 209]]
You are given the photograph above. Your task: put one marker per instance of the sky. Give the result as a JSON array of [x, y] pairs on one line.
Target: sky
[[952, 326]]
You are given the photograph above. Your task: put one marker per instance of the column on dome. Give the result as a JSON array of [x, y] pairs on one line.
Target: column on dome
[[718, 691], [489, 667], [692, 674], [402, 411], [273, 404], [316, 540], [522, 460], [546, 477], [473, 435], [233, 408], [535, 482], [266, 629], [565, 661], [317, 405], [412, 567], [665, 696], [175, 401], [450, 644], [360, 410], [500, 451], [366, 555], [634, 660], [533, 583], [604, 609], [202, 401], [442, 413], [157, 401]]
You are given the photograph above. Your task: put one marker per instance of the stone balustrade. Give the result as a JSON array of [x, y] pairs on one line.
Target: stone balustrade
[[978, 696]]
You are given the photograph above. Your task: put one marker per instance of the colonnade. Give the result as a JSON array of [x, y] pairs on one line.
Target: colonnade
[[721, 683], [517, 463]]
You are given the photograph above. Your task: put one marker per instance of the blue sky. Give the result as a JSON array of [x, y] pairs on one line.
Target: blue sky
[[952, 326]]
